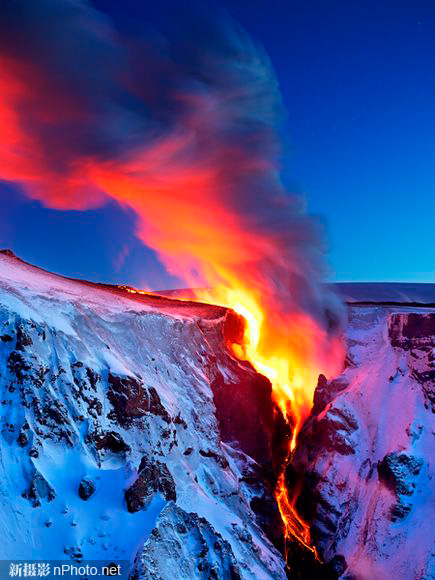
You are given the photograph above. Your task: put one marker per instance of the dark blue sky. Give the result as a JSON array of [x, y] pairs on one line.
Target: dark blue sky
[[358, 81]]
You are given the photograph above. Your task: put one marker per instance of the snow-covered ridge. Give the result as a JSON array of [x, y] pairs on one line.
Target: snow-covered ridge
[[18, 275], [363, 292], [125, 419], [387, 292]]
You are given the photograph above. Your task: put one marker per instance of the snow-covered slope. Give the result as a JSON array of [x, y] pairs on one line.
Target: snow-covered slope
[[129, 432], [367, 456]]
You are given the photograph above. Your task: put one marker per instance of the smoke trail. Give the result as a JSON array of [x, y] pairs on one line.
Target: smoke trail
[[181, 126]]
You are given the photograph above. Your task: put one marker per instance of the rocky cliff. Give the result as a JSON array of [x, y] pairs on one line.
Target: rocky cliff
[[365, 459], [130, 432]]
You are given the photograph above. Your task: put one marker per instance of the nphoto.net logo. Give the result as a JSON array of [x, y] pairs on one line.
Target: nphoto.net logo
[[64, 569]]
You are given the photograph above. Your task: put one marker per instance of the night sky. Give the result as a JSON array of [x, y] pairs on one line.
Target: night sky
[[358, 82]]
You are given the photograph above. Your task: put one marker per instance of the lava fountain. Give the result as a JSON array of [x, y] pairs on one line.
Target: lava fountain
[[180, 125]]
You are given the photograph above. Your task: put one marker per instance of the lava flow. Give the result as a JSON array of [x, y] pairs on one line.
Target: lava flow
[[289, 351], [287, 361]]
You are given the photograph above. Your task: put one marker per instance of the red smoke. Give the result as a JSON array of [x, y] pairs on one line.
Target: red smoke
[[182, 129]]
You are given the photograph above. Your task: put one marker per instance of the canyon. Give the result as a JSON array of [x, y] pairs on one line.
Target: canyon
[[131, 432]]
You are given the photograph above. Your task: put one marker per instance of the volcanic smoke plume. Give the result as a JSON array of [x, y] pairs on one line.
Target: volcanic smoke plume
[[178, 122]]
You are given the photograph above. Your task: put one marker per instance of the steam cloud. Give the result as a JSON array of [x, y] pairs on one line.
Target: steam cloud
[[179, 124]]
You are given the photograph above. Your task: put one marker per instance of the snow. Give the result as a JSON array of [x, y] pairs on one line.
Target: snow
[[77, 336], [393, 417], [391, 292]]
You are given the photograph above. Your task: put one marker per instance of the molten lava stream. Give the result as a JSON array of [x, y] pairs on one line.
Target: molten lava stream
[[294, 526]]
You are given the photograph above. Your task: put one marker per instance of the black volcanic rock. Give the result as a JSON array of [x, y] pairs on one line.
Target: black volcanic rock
[[86, 488], [38, 489], [23, 339], [325, 392], [18, 366], [22, 439], [247, 414], [336, 567], [153, 477], [9, 253], [412, 330], [415, 334], [131, 399], [399, 471], [109, 441], [220, 459], [333, 431], [74, 552]]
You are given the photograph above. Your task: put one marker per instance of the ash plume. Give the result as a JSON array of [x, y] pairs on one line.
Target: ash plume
[[178, 121]]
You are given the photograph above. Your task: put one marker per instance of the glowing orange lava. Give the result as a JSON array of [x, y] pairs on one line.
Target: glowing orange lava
[[285, 349], [294, 525]]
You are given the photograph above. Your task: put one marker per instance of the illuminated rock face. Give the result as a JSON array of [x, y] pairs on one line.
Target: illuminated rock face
[[366, 456], [120, 426]]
